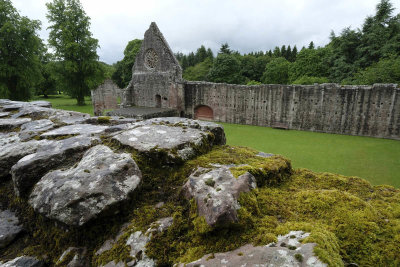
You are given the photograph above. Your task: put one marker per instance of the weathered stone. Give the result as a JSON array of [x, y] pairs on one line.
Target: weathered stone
[[179, 143], [34, 112], [12, 152], [137, 242], [214, 128], [4, 114], [82, 129], [105, 97], [23, 261], [69, 117], [265, 155], [76, 195], [8, 138], [216, 193], [294, 254], [8, 105], [29, 169], [37, 126], [41, 103], [74, 257], [9, 124], [9, 227]]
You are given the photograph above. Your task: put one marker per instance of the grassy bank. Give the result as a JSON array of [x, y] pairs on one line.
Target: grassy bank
[[67, 103], [374, 159]]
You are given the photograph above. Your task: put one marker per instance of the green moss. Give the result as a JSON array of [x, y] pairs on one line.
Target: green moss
[[298, 257], [104, 119], [210, 182]]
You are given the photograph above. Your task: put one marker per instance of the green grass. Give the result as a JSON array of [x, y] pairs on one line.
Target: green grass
[[374, 159], [67, 103]]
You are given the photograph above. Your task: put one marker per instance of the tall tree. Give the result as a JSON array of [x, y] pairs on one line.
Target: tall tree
[[123, 68], [311, 45], [74, 46], [276, 71], [226, 69], [20, 48], [225, 49]]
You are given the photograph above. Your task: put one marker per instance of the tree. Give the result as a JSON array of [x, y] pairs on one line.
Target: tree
[[311, 63], [225, 49], [199, 71], [276, 71], [48, 83], [123, 69], [75, 47], [20, 48], [311, 45], [226, 69]]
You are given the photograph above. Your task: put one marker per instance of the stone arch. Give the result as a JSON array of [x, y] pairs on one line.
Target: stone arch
[[158, 101], [204, 112]]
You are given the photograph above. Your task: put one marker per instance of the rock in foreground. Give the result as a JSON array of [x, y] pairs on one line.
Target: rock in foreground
[[74, 196], [216, 193], [287, 252], [9, 227]]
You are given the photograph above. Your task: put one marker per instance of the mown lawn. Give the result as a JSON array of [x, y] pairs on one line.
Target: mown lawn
[[67, 103], [374, 159]]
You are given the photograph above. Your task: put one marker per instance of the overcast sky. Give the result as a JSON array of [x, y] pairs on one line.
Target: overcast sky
[[246, 25]]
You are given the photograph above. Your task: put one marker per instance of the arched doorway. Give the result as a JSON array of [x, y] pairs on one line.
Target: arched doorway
[[203, 113], [158, 101]]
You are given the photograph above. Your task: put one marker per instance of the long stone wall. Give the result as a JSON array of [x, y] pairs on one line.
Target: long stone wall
[[330, 108]]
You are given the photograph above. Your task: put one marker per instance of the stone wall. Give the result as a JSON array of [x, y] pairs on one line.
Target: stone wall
[[156, 75], [105, 97], [330, 108]]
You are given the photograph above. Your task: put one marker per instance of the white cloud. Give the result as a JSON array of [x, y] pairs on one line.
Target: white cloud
[[250, 25]]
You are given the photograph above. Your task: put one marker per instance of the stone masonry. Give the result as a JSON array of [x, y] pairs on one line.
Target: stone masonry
[[330, 108]]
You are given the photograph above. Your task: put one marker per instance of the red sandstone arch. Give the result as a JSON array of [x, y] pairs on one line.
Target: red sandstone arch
[[204, 112]]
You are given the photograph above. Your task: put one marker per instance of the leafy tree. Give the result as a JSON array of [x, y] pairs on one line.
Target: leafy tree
[[310, 62], [385, 71], [252, 82], [75, 47], [199, 71], [277, 52], [123, 68], [226, 69], [48, 83], [20, 48], [276, 71]]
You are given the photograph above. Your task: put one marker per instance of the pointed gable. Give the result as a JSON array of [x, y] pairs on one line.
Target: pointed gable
[[155, 55]]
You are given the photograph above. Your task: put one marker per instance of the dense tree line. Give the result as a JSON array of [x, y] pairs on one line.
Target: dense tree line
[[361, 56]]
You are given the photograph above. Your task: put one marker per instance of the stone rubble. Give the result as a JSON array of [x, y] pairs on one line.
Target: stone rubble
[[29, 169], [289, 251], [78, 194], [9, 227], [216, 193]]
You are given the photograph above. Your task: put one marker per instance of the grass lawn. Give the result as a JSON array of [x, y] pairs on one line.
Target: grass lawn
[[374, 159], [67, 103]]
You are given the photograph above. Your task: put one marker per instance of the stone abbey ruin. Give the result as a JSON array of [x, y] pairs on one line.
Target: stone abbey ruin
[[330, 108], [77, 190]]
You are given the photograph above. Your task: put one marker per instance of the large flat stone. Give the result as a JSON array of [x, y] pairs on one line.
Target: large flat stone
[[23, 261], [12, 152], [216, 129], [34, 112], [9, 227], [29, 169], [69, 117], [216, 193], [82, 129], [78, 194], [9, 124], [178, 142], [287, 252]]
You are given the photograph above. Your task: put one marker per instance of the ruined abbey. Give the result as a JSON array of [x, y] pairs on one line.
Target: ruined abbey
[[330, 108]]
